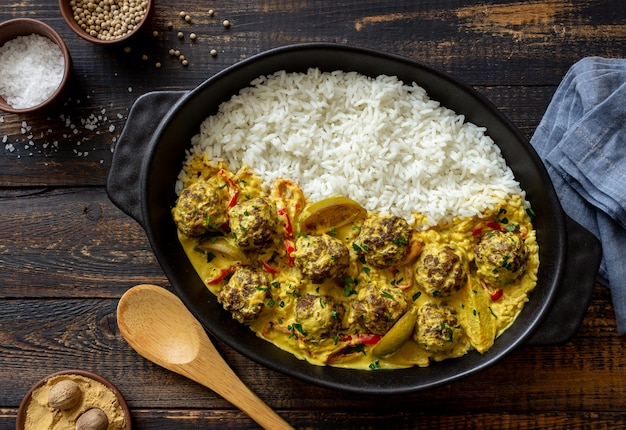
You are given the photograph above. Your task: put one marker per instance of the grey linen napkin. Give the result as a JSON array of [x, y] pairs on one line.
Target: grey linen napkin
[[582, 141]]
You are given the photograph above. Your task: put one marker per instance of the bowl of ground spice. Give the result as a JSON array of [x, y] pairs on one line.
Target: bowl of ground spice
[[73, 399], [106, 22], [35, 65]]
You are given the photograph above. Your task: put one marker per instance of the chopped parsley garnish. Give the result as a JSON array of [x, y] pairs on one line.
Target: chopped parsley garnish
[[295, 327], [348, 286]]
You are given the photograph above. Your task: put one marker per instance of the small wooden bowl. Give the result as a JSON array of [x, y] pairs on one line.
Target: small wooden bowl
[[21, 412], [13, 28], [68, 17]]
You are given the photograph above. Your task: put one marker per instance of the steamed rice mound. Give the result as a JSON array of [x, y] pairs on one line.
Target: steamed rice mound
[[378, 141]]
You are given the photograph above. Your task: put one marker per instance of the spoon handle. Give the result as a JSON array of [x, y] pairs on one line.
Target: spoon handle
[[215, 374]]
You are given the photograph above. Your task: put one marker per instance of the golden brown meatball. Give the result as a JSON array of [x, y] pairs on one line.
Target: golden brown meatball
[[384, 240], [245, 294], [439, 271], [500, 257], [378, 307], [437, 328], [321, 257], [202, 207], [253, 223], [318, 315]]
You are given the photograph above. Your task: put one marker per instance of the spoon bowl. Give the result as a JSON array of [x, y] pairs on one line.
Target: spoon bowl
[[157, 325]]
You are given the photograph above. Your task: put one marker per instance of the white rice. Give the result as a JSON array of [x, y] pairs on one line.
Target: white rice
[[382, 143]]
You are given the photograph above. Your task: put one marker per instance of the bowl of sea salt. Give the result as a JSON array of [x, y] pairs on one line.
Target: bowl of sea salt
[[35, 65]]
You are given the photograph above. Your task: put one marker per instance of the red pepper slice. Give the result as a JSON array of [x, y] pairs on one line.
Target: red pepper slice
[[494, 225], [365, 339], [290, 247], [233, 199], [496, 295], [288, 226], [223, 274], [268, 268]]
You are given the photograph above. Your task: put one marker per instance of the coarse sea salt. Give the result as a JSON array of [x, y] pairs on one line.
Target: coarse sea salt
[[31, 68]]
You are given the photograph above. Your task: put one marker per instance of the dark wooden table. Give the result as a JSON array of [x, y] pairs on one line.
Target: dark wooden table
[[67, 253]]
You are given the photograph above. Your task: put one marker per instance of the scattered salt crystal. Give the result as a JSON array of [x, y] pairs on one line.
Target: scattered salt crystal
[[32, 68]]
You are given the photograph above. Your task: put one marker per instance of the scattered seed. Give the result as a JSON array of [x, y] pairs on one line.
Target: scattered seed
[[181, 57], [177, 53], [170, 25], [187, 18], [211, 12], [185, 63], [213, 52], [182, 14], [193, 36], [180, 35], [127, 49], [144, 57], [172, 52], [157, 65], [226, 23], [155, 33]]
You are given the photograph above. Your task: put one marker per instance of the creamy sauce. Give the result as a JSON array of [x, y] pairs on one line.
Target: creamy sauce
[[482, 311]]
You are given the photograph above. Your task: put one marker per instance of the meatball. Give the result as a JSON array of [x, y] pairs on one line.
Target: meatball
[[500, 257], [253, 223], [202, 207], [437, 328], [439, 271], [384, 240], [318, 315], [245, 294], [321, 257], [378, 307]]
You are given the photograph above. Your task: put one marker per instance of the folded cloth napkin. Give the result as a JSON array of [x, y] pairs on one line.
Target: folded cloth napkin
[[582, 141]]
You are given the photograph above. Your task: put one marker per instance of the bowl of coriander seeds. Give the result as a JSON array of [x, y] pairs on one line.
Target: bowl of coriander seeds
[[106, 22]]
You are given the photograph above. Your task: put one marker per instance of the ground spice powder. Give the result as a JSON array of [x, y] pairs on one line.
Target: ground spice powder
[[40, 416]]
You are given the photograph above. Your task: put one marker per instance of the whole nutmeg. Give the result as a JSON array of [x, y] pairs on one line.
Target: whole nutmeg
[[92, 419], [63, 395]]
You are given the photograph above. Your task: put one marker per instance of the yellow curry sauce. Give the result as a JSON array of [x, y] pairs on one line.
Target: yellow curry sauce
[[477, 299]]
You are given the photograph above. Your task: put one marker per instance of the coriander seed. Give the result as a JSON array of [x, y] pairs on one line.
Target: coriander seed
[[226, 23]]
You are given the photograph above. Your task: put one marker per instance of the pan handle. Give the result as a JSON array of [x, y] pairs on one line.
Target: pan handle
[[134, 145], [574, 295]]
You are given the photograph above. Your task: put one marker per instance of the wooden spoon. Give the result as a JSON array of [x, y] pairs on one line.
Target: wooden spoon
[[156, 323]]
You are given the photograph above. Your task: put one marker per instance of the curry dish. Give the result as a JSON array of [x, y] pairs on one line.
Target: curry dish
[[335, 285]]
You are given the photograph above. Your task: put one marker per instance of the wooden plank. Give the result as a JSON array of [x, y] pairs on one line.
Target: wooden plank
[[71, 243]]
